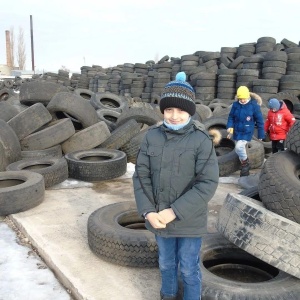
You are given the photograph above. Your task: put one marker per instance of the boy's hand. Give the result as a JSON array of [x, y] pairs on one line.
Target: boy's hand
[[168, 215], [156, 220]]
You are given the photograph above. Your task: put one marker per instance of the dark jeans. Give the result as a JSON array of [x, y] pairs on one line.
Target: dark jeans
[[184, 251], [277, 146]]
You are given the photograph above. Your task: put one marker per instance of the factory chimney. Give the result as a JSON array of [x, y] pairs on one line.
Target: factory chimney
[[8, 49]]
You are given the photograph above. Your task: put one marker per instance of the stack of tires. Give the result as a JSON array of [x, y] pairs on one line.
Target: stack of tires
[[56, 135], [264, 221]]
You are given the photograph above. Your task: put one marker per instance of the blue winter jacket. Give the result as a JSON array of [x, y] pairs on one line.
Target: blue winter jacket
[[243, 118]]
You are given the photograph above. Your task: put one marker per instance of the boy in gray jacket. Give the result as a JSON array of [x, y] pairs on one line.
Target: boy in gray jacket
[[167, 195]]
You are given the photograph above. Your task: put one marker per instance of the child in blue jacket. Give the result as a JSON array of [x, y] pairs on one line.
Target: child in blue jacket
[[244, 116]]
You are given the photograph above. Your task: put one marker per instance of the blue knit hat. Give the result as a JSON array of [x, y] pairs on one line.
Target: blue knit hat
[[179, 94], [274, 104]]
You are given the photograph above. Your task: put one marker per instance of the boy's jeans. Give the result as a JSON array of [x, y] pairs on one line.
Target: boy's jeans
[[240, 149], [184, 251]]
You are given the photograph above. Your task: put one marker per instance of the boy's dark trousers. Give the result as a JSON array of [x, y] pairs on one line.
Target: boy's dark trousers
[[277, 146]]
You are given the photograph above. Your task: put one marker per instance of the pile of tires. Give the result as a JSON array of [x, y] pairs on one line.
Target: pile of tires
[[66, 135], [265, 221], [266, 66], [55, 136]]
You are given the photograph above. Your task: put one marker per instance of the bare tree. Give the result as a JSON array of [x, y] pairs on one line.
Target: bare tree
[[21, 55], [12, 46], [64, 68]]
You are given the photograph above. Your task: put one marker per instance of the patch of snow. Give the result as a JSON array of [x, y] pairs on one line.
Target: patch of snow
[[23, 275]]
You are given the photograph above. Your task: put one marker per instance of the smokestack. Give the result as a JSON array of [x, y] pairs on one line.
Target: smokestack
[[32, 48], [8, 49]]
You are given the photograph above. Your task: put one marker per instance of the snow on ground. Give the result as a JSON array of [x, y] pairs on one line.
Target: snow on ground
[[23, 275]]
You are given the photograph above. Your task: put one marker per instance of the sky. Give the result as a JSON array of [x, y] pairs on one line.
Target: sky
[[108, 33]]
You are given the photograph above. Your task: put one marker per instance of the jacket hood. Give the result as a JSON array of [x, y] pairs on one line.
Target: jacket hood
[[253, 96], [282, 105]]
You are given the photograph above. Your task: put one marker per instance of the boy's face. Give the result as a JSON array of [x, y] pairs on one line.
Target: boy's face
[[243, 100], [175, 116]]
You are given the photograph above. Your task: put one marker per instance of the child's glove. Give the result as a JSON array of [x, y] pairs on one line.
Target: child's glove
[[230, 132]]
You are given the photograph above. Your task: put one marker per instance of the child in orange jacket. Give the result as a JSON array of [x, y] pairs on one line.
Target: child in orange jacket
[[278, 123]]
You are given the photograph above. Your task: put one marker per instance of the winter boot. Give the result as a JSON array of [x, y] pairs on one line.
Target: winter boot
[[245, 167]]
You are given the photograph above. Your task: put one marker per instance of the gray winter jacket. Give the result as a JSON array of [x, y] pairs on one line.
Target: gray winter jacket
[[168, 160]]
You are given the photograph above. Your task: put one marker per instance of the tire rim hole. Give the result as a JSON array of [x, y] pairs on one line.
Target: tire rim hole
[[110, 119], [109, 103], [85, 96], [63, 115], [4, 97], [136, 226], [241, 270], [223, 150], [35, 167], [10, 182], [95, 158], [131, 220]]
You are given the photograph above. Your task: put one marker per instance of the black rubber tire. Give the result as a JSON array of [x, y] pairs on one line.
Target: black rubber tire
[[215, 123], [256, 154], [293, 138], [84, 93], [53, 134], [266, 142], [251, 193], [20, 191], [236, 62], [7, 111], [8, 83], [262, 233], [96, 164], [109, 101], [141, 114], [132, 147], [6, 93], [112, 236], [109, 116], [230, 273], [10, 149], [30, 120], [204, 112], [121, 135], [54, 152], [40, 91], [288, 98], [80, 111], [54, 170], [276, 55], [229, 161], [279, 185], [87, 138]]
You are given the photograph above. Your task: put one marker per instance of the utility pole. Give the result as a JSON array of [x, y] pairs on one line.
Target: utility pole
[[32, 50]]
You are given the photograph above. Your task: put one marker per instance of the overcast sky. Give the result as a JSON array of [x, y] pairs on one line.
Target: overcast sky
[[108, 33]]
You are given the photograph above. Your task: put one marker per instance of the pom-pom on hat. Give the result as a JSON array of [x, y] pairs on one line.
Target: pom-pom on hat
[[273, 103], [179, 94], [243, 92]]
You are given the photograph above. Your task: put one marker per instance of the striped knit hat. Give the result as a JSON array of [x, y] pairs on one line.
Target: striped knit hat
[[179, 94]]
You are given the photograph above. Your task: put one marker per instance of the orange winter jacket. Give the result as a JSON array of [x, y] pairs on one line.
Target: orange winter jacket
[[278, 123]]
